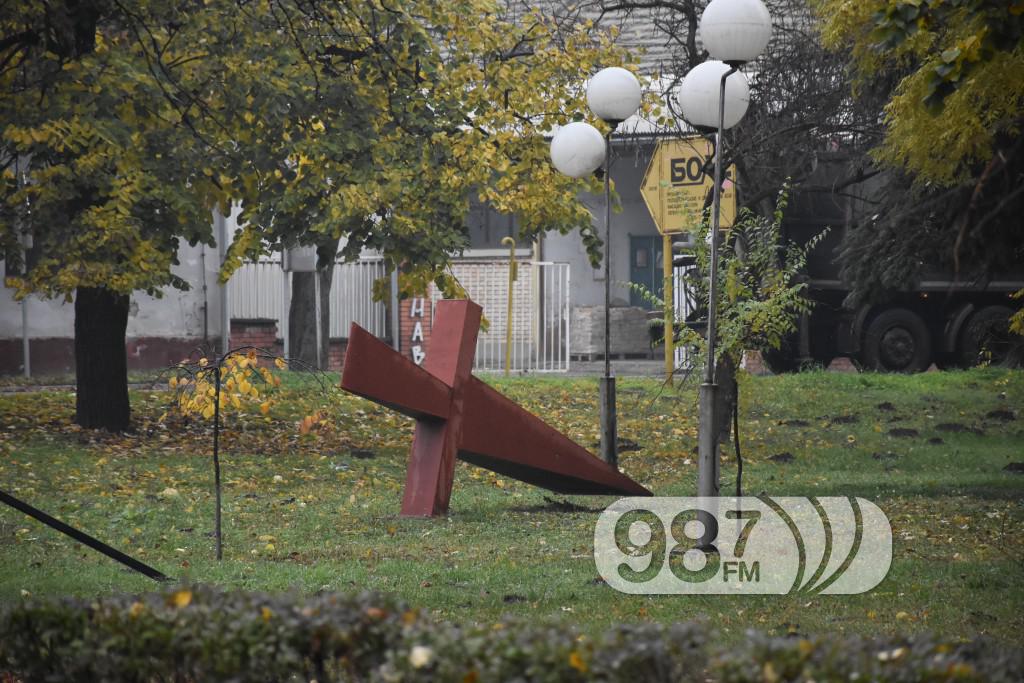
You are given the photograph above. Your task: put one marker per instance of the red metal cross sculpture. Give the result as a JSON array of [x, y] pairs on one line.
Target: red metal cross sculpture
[[457, 415]]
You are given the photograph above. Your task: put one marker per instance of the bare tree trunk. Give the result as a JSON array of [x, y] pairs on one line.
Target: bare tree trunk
[[101, 365], [301, 317]]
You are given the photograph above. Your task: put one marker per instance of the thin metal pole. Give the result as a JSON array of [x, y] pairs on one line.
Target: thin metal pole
[[669, 307], [225, 312], [707, 441], [316, 313], [508, 312], [607, 254], [286, 307], [218, 538], [609, 434], [26, 353], [395, 341]]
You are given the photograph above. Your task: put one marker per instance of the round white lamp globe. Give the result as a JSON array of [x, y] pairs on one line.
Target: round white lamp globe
[[735, 31], [613, 94], [698, 95], [577, 149]]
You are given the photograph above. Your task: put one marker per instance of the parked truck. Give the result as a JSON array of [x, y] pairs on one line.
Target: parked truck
[[941, 318]]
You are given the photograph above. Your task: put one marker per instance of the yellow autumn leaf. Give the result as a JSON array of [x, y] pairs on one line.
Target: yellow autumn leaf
[[265, 407], [181, 598], [576, 662], [266, 613], [235, 402], [208, 411], [279, 362]]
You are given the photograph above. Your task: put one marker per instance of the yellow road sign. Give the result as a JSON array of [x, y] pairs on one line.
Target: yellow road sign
[[675, 187]]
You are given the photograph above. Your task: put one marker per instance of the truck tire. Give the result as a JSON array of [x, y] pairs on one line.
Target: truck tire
[[986, 337], [897, 340]]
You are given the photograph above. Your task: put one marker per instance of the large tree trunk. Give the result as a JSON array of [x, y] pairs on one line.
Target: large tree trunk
[[101, 365], [302, 315]]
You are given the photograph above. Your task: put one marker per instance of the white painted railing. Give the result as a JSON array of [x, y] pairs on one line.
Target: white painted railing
[[257, 291], [684, 303], [540, 314]]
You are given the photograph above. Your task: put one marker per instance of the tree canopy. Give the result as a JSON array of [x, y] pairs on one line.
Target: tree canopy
[[374, 120], [123, 124], [949, 71]]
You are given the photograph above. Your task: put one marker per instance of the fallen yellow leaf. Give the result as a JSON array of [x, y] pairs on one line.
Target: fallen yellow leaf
[[181, 598]]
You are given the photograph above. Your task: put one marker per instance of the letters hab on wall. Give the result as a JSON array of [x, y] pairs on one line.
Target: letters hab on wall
[[416, 314]]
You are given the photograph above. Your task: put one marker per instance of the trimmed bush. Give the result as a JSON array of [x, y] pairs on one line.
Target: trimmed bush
[[197, 633]]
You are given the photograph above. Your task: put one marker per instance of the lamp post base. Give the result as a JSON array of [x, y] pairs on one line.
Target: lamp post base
[[707, 458], [609, 436]]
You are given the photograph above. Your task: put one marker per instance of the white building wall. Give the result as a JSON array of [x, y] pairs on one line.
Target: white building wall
[[177, 314], [634, 219]]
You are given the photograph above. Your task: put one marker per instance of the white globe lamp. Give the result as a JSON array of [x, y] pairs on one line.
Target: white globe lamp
[[735, 31], [699, 93], [577, 149], [613, 94]]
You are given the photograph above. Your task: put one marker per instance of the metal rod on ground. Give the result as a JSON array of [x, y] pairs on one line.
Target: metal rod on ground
[[608, 418], [83, 537], [707, 438]]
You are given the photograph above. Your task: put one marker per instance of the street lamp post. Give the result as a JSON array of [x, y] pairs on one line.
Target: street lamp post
[[734, 32], [613, 94]]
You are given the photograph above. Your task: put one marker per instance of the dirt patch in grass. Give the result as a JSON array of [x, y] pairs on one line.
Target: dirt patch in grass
[[958, 428]]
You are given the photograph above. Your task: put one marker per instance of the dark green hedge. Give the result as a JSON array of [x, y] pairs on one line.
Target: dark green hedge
[[198, 633]]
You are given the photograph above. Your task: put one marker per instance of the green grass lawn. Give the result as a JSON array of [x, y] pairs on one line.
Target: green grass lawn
[[303, 512]]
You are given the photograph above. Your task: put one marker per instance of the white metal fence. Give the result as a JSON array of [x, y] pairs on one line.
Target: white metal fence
[[540, 307], [257, 290], [540, 314], [684, 303]]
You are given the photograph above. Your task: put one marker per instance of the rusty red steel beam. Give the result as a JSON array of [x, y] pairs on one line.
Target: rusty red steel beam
[[457, 415]]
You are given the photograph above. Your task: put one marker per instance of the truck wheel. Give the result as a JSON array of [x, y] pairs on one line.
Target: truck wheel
[[897, 340], [987, 337]]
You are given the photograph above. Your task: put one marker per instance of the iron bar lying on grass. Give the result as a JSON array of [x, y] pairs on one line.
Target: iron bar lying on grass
[[83, 537]]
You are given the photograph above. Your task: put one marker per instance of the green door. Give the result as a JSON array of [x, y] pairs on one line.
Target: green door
[[645, 268]]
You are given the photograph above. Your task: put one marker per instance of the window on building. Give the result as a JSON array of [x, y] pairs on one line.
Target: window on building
[[487, 227]]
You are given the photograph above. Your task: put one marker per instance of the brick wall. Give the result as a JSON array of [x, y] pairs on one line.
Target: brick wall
[[258, 332], [336, 354], [262, 333]]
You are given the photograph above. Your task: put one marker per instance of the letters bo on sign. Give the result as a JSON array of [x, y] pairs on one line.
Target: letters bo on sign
[[676, 186]]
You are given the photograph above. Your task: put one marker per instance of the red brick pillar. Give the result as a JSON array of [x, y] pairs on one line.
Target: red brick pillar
[[415, 320]]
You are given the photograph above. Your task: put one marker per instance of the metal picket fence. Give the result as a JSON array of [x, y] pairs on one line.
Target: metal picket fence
[[257, 290], [540, 314]]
